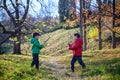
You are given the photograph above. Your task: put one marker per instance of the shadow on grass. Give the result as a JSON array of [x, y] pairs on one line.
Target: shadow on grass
[[88, 56]]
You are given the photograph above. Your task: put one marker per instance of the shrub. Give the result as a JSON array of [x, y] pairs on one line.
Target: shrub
[[69, 27], [57, 27], [93, 32]]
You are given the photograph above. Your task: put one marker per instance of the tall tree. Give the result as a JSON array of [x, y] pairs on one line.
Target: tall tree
[[113, 25], [63, 10], [17, 11], [99, 25], [81, 17], [85, 37]]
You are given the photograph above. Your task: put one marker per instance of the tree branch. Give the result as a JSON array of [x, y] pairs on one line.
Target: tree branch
[[3, 28], [12, 3], [26, 11], [17, 10], [111, 29], [9, 13]]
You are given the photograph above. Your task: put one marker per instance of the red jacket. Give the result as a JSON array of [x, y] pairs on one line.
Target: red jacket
[[76, 47]]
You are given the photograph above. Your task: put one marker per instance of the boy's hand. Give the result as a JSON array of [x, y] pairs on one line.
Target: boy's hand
[[69, 44]]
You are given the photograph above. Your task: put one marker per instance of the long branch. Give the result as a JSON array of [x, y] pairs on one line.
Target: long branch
[[3, 28], [12, 3], [26, 11], [9, 13]]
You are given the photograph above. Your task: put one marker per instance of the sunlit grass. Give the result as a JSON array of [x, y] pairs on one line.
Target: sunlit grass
[[101, 65], [15, 67]]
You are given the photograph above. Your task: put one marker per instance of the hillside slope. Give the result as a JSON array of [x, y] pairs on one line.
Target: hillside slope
[[57, 43]]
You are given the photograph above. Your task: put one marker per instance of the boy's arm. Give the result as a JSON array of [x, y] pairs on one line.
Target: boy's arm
[[70, 46], [75, 46], [40, 46]]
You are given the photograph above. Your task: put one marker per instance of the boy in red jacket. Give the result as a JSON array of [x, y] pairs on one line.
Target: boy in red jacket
[[77, 51]]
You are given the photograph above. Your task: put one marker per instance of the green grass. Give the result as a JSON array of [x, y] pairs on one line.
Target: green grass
[[101, 65], [14, 67]]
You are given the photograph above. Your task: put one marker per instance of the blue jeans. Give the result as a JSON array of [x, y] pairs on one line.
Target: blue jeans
[[79, 59], [35, 61]]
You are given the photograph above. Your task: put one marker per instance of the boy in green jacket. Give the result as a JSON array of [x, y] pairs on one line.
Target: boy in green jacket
[[36, 47]]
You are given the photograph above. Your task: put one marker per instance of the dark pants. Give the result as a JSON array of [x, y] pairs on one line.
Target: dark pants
[[35, 61], [79, 59]]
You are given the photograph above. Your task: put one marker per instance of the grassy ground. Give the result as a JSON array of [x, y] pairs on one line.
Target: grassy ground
[[15, 67], [101, 65]]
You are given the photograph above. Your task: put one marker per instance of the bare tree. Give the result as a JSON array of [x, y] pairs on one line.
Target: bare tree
[[17, 11]]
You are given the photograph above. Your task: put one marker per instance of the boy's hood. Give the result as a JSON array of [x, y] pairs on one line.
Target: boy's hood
[[32, 40]]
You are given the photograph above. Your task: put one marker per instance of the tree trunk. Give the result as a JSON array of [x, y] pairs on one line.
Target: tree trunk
[[113, 25], [85, 38], [81, 12], [17, 44], [99, 26]]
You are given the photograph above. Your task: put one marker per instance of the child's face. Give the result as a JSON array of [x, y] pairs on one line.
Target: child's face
[[75, 37], [37, 37]]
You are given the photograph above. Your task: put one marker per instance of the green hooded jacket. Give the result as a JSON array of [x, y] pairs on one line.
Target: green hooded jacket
[[36, 46]]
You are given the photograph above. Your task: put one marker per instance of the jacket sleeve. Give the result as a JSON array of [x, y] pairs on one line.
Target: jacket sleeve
[[75, 45], [37, 44]]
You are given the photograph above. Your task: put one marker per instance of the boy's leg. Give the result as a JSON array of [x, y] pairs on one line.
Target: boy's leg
[[37, 61], [33, 61], [81, 62], [72, 63]]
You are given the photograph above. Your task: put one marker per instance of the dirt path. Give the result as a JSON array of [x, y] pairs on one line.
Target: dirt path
[[60, 70]]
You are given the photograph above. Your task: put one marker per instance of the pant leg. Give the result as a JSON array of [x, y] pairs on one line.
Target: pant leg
[[33, 61], [73, 62], [37, 61], [81, 62]]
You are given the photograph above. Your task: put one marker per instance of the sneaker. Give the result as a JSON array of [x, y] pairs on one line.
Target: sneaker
[[72, 70], [84, 67]]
